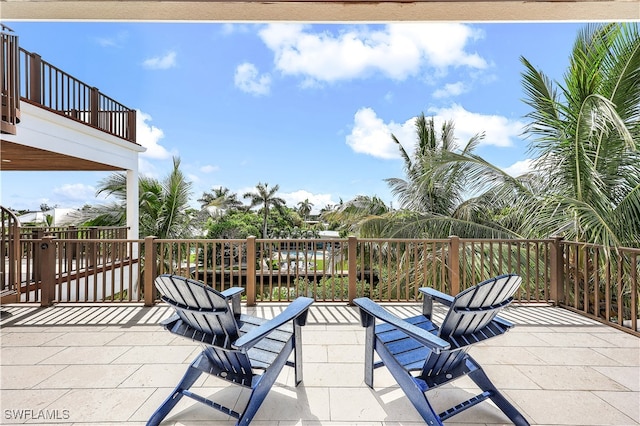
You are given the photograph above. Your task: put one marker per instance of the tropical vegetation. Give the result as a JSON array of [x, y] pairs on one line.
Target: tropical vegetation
[[584, 183], [163, 204]]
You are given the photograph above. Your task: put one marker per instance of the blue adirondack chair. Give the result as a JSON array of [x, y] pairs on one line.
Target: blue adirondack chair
[[422, 356], [240, 349]]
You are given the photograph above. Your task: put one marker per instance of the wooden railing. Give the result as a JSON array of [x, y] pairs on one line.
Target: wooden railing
[[9, 84], [47, 86], [599, 283], [79, 252], [10, 247]]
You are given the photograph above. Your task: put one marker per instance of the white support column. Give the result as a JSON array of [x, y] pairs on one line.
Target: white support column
[[133, 204]]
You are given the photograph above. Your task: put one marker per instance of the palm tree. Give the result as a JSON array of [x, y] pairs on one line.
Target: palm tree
[[304, 208], [432, 195], [163, 204], [586, 133], [219, 201], [353, 213], [427, 188], [266, 198]]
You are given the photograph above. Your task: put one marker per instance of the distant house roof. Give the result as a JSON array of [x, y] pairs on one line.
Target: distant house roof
[[60, 217], [329, 234]]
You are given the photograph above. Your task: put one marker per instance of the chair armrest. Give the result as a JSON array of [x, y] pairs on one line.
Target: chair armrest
[[371, 308], [504, 322], [443, 298], [233, 293], [173, 318], [296, 309]]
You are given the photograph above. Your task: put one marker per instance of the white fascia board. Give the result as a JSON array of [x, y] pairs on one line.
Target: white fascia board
[[46, 130]]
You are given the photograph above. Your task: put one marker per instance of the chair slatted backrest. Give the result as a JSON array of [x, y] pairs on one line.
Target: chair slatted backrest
[[475, 308], [469, 320], [201, 307]]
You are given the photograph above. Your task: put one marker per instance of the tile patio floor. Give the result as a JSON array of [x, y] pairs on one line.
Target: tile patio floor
[[94, 365]]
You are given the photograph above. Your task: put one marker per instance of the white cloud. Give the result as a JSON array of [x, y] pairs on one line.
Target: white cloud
[[161, 62], [248, 80], [451, 89], [520, 167], [193, 178], [499, 130], [228, 29], [149, 137], [318, 200], [117, 40], [146, 168], [75, 192], [371, 135], [397, 51], [209, 168]]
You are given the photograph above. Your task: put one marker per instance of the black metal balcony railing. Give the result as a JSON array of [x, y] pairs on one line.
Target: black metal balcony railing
[[26, 77]]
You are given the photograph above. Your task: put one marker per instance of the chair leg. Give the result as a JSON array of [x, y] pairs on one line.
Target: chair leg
[[369, 348], [189, 378], [297, 352], [261, 388], [482, 380], [410, 386]]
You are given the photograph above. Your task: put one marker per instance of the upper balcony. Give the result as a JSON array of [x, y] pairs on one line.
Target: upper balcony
[[43, 106]]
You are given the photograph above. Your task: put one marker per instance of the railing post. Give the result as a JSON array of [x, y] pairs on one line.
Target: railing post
[[15, 265], [94, 102], [131, 126], [92, 249], [251, 270], [150, 270], [352, 253], [73, 235], [454, 264], [37, 235], [47, 250], [556, 290], [35, 78]]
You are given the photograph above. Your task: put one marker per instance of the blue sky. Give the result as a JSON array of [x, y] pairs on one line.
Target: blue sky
[[309, 107]]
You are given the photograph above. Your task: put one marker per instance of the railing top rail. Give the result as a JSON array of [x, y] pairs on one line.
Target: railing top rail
[[397, 240], [310, 239], [505, 240], [600, 246], [80, 241], [200, 240]]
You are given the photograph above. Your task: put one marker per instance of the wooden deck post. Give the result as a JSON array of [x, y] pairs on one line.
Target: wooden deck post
[[556, 290], [35, 78], [131, 126], [94, 106], [352, 253], [150, 270], [92, 248], [36, 235], [251, 270], [454, 264], [47, 270]]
